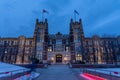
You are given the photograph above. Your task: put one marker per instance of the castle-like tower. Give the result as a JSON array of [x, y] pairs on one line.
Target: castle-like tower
[[41, 40], [76, 40]]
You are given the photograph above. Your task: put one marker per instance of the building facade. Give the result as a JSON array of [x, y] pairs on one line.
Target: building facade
[[60, 48]]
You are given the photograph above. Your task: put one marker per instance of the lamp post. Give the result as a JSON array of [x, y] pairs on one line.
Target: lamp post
[[5, 56]]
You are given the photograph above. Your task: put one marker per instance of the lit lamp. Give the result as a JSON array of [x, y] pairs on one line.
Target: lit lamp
[[48, 50], [52, 59], [65, 58], [5, 52], [78, 56]]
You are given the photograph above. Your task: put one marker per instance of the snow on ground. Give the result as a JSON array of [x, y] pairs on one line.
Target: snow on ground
[[109, 71], [28, 76], [5, 69]]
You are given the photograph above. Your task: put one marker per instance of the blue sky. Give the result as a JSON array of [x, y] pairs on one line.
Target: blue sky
[[17, 17]]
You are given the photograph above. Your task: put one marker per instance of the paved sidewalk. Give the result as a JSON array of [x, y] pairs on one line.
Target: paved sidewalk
[[59, 72]]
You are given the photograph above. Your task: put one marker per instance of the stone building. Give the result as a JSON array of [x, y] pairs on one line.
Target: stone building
[[60, 48]]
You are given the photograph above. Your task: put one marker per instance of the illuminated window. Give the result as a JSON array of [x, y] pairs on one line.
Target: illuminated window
[[78, 57], [49, 49]]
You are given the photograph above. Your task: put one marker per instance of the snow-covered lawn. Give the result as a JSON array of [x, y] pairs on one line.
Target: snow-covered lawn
[[6, 69], [109, 71]]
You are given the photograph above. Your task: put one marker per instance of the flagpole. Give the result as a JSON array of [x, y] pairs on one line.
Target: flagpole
[[74, 16], [42, 16]]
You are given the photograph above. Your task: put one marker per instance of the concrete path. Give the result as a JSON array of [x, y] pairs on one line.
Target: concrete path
[[59, 72]]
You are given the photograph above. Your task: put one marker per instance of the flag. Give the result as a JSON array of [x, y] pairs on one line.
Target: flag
[[76, 12], [45, 11]]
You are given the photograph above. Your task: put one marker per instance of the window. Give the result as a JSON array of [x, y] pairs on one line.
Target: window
[[15, 43], [78, 57], [119, 42], [77, 38], [67, 41], [77, 31], [1, 42], [39, 56], [26, 50], [90, 49], [90, 42], [40, 38], [58, 48], [50, 41], [58, 41], [96, 43], [39, 48], [66, 49], [30, 50], [86, 42], [101, 42], [12, 42], [50, 48], [30, 42], [40, 30], [27, 42], [21, 42], [5, 42], [40, 35]]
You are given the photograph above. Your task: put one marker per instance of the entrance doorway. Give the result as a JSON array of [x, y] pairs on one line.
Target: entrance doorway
[[58, 58]]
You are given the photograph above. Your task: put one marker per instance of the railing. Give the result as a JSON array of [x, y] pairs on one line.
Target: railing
[[11, 75], [110, 75]]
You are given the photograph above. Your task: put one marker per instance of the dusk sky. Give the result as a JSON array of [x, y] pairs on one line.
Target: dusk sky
[[17, 17]]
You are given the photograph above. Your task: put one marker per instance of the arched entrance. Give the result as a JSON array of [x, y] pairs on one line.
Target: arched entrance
[[58, 58]]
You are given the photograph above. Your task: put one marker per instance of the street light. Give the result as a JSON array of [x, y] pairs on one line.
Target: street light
[[5, 58]]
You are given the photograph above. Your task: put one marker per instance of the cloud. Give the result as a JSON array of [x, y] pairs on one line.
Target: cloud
[[21, 14], [107, 20]]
